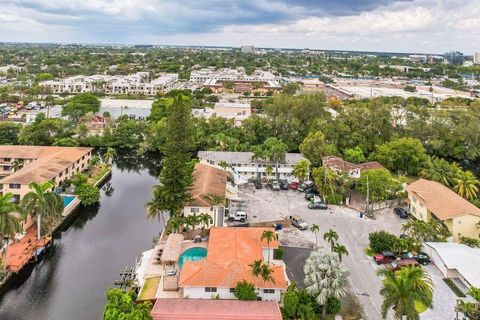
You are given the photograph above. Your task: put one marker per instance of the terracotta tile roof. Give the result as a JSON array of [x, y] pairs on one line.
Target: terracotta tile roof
[[207, 309], [50, 161], [441, 201], [207, 179], [230, 251]]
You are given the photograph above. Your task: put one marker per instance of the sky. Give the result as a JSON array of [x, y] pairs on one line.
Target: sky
[[429, 26]]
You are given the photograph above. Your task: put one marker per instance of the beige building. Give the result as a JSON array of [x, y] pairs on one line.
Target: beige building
[[432, 200], [233, 110], [21, 165], [207, 180]]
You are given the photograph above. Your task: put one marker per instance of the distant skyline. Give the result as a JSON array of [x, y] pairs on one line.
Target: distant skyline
[[430, 26]]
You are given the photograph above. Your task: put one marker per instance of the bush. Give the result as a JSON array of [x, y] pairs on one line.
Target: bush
[[382, 241], [334, 198], [88, 195], [290, 304], [245, 291], [333, 305], [278, 254], [455, 289]]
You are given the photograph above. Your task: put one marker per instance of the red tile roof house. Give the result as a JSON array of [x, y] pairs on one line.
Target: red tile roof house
[[198, 309], [354, 170], [230, 251]]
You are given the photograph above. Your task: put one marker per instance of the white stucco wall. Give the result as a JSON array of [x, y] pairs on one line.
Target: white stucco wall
[[224, 293]]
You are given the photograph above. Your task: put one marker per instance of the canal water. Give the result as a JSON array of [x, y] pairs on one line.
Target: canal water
[[70, 281]]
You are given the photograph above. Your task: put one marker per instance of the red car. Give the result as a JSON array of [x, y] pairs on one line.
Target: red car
[[384, 257], [294, 185], [399, 264]]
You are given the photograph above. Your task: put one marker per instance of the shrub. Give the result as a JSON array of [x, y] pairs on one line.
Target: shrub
[[382, 241], [290, 304], [334, 198], [352, 309], [333, 305], [245, 291], [455, 289], [278, 254], [88, 195], [79, 179]]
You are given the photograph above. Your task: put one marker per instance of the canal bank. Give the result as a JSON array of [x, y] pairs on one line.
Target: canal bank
[[86, 257]]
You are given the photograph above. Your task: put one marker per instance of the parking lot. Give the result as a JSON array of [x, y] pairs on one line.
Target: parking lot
[[266, 205]]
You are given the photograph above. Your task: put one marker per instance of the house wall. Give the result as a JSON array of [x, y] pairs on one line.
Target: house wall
[[418, 208], [267, 254], [224, 293], [189, 211], [465, 226]]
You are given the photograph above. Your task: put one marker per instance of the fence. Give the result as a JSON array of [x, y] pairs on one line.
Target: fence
[[386, 204]]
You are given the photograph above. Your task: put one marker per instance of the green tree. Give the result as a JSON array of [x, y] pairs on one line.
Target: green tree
[[440, 170], [160, 109], [315, 229], [471, 242], [223, 164], [268, 171], [331, 236], [89, 195], [245, 291], [355, 155], [10, 132], [380, 185], [80, 105], [258, 155], [9, 224], [315, 148], [42, 202], [290, 305], [122, 305], [108, 155], [340, 250], [431, 231], [217, 201], [325, 278], [301, 170], [268, 235], [382, 241], [405, 155], [275, 150], [465, 184], [403, 289], [290, 88]]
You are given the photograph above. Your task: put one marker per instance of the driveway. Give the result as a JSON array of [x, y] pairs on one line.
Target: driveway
[[294, 258]]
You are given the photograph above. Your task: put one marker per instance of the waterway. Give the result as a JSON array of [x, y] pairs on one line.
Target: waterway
[[70, 281]]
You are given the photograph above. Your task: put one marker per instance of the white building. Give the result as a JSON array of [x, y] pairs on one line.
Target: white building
[[417, 57], [230, 252], [244, 168], [137, 83], [226, 74], [456, 261], [476, 58], [247, 49], [134, 109]]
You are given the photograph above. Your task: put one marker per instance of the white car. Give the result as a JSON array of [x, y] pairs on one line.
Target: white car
[[171, 272]]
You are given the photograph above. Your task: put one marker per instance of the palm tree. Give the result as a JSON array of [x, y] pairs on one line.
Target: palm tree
[[9, 224], [108, 155], [256, 268], [340, 250], [440, 170], [266, 273], [268, 171], [17, 164], [216, 200], [315, 229], [268, 235], [223, 164], [325, 278], [275, 150], [331, 236], [191, 221], [466, 185], [156, 207], [206, 220], [175, 222], [305, 311], [41, 201], [402, 289], [258, 155]]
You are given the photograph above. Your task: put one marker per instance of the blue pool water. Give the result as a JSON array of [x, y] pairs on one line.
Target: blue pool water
[[67, 200], [192, 254]]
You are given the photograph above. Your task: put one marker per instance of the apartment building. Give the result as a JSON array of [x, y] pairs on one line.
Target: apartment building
[[137, 83], [21, 165], [233, 110], [230, 252], [431, 200]]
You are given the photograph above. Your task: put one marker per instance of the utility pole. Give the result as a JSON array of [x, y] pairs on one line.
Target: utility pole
[[368, 195]]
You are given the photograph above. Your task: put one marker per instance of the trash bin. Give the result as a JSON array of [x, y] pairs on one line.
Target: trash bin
[[361, 214]]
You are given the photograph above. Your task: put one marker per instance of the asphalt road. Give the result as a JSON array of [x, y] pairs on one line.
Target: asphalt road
[[294, 258]]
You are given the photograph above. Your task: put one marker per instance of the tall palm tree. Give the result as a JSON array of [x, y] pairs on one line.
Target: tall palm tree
[[259, 154], [340, 250], [41, 201], [275, 151], [402, 289], [17, 164], [440, 170], [108, 155], [325, 278], [205, 220], [268, 235], [156, 207], [216, 200], [256, 267], [315, 229], [266, 273], [9, 224], [466, 185], [175, 223], [331, 236]]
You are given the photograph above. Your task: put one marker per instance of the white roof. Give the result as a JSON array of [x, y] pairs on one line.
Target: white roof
[[464, 259]]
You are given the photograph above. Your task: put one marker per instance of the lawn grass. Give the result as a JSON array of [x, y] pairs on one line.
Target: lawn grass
[[369, 252], [97, 172], [149, 288]]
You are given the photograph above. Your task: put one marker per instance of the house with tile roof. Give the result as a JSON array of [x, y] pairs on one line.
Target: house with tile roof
[[354, 170], [432, 200], [207, 180], [230, 252]]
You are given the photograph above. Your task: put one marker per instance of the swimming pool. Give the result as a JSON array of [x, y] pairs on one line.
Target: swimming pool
[[67, 200], [192, 254]]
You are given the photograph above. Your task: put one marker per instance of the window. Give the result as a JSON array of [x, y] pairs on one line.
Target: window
[[16, 198], [61, 174], [14, 186], [459, 234], [195, 210], [210, 289], [421, 204], [414, 209], [268, 290], [459, 221], [414, 199], [7, 159], [232, 290], [6, 168]]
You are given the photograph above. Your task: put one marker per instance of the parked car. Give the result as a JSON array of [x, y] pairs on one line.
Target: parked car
[[298, 222], [404, 236], [384, 257], [275, 185], [317, 205], [401, 213], [305, 185], [422, 258], [294, 185], [237, 216], [284, 185], [399, 264], [258, 185], [310, 195], [171, 272]]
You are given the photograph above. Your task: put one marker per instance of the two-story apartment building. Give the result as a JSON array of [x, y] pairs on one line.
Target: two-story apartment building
[[432, 200], [21, 165], [230, 252]]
